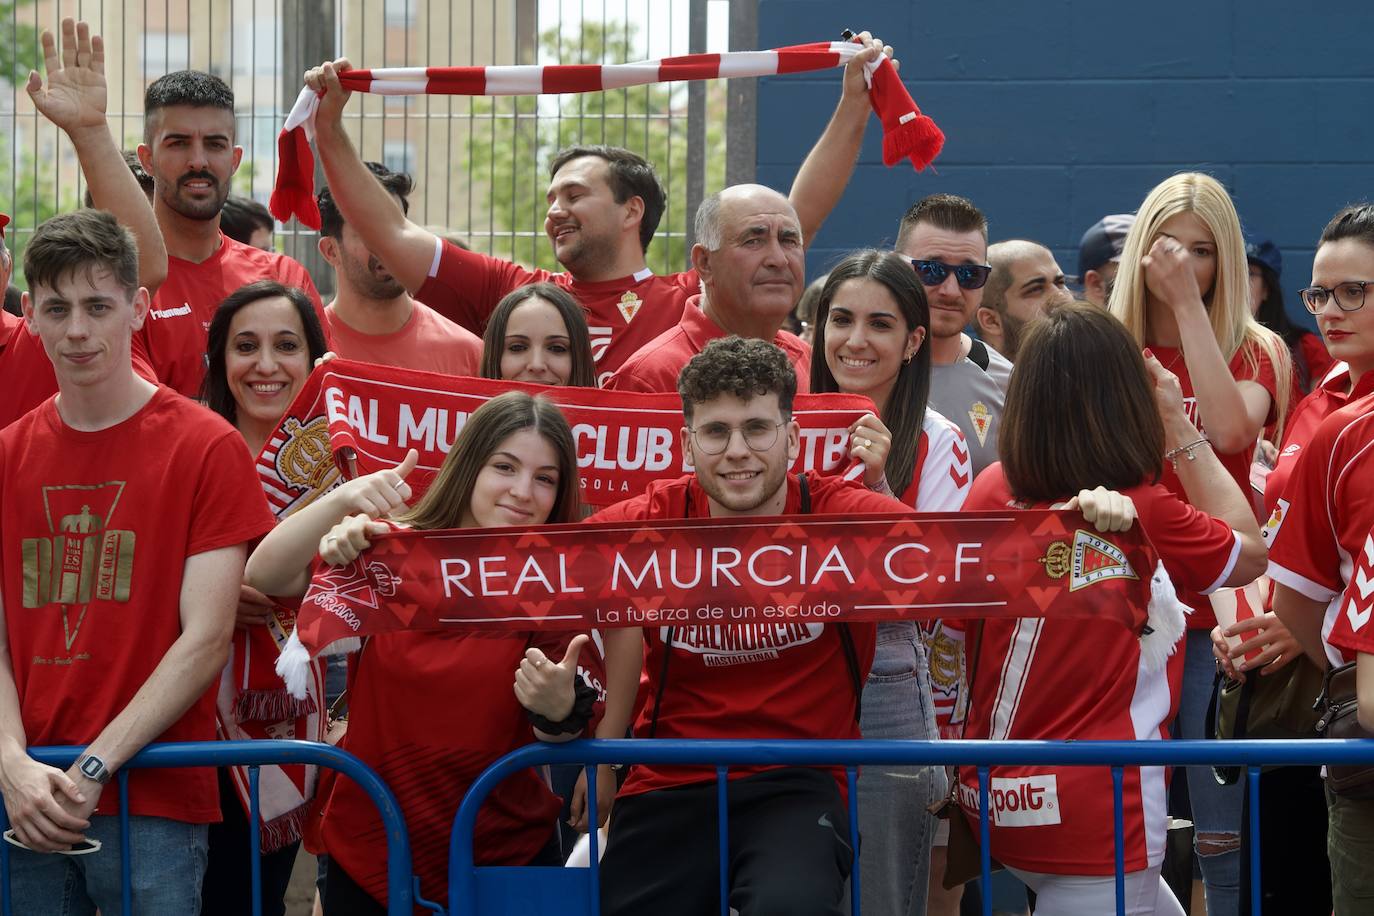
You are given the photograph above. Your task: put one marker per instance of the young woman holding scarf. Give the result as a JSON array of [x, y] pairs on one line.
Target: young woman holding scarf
[[430, 710], [1086, 422], [870, 324], [261, 344], [1183, 291]]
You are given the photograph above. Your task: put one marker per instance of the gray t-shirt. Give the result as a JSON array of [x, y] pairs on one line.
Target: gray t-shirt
[[973, 397]]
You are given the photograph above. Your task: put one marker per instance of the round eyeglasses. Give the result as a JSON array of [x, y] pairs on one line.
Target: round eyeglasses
[[1349, 296], [714, 438]]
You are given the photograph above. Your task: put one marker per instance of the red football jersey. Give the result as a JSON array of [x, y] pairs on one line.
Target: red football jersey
[[172, 339], [1331, 394], [1084, 679], [1350, 631], [429, 711], [622, 315], [96, 528], [1327, 509], [755, 680], [656, 365], [1237, 464]]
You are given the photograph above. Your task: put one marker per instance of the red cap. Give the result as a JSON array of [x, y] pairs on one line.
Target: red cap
[[4, 221]]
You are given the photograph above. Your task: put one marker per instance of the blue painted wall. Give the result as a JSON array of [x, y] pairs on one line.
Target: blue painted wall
[[1057, 112]]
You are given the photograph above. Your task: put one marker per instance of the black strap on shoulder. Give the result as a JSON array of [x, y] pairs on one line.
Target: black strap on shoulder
[[978, 354]]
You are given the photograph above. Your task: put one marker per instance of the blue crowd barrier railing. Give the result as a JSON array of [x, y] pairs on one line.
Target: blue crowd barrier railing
[[400, 896], [488, 891]]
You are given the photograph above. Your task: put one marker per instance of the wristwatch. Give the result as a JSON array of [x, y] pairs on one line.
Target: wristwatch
[[93, 768]]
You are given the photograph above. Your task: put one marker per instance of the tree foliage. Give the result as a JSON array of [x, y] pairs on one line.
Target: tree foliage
[[514, 138]]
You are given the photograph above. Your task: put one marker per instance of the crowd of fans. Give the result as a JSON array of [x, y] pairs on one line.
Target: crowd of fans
[[147, 588]]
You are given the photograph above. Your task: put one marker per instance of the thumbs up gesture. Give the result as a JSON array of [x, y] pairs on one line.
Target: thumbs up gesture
[[381, 492], [546, 688]]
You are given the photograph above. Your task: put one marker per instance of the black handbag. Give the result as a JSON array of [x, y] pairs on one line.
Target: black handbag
[[1340, 702]]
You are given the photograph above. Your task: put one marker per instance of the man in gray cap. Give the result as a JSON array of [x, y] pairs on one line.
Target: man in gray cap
[[1099, 254]]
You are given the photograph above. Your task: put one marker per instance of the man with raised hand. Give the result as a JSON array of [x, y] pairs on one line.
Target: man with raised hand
[[124, 520], [188, 147], [789, 828], [75, 100], [604, 207], [750, 258]]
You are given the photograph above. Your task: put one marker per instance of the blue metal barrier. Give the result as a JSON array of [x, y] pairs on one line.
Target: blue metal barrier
[[489, 891], [400, 899]]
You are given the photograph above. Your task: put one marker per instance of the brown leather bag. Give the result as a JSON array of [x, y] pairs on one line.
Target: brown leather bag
[[1339, 702]]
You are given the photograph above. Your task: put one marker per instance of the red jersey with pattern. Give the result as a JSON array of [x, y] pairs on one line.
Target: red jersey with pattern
[[656, 365], [622, 315], [1237, 464], [428, 341], [172, 339], [1319, 526], [1331, 394], [940, 483], [96, 528], [1079, 680], [429, 711], [1351, 632], [26, 373], [749, 680]]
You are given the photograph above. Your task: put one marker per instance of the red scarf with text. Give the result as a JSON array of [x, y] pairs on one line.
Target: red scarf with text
[[907, 134], [353, 418], [747, 574]]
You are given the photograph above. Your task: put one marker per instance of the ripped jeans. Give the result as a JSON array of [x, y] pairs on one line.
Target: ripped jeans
[[1216, 808], [895, 829]]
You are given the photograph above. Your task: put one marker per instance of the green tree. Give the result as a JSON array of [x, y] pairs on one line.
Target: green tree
[[19, 48], [36, 198], [514, 138]]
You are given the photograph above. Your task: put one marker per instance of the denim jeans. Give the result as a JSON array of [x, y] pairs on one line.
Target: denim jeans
[[895, 830], [167, 860], [1216, 808]]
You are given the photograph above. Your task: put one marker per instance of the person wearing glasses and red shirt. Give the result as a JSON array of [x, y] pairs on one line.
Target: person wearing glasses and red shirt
[[946, 239]]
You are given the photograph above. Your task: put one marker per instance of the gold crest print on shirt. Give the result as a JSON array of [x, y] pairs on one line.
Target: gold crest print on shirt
[[81, 559]]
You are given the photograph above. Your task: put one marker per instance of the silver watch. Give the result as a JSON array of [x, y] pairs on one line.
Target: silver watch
[[93, 768]]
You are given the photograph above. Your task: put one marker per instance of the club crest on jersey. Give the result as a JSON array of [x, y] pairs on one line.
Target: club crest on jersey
[[981, 418], [1087, 560], [629, 306]]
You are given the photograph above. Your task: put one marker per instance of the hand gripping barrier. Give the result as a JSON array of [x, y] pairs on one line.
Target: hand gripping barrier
[[488, 891], [252, 754]]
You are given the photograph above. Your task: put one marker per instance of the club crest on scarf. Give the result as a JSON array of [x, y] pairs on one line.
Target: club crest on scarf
[[1090, 559]]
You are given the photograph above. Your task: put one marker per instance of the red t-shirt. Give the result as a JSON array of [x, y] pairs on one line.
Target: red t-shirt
[[429, 711], [656, 365], [1079, 680], [762, 680], [1350, 631], [96, 527], [622, 315], [428, 341], [1237, 464], [173, 335], [1319, 526], [26, 373]]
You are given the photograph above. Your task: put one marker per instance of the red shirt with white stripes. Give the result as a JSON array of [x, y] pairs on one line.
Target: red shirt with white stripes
[[1320, 525], [1085, 679], [622, 315]]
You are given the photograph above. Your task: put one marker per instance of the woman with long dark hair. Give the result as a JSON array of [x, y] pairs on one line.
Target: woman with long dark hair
[[1090, 424], [430, 710], [261, 344]]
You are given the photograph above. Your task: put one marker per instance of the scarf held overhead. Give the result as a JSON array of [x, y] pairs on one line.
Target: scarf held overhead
[[736, 578], [372, 415], [907, 134]]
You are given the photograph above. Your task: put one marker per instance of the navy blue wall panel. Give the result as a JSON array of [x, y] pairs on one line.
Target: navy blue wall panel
[[1057, 112]]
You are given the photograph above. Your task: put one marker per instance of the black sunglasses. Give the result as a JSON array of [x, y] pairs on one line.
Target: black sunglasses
[[968, 276]]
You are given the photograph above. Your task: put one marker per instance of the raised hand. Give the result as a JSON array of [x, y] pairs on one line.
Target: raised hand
[[381, 492], [324, 79], [1169, 274], [75, 97], [855, 85], [545, 688]]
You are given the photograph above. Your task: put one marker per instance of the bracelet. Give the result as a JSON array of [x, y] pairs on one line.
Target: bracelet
[[883, 487], [1173, 453], [584, 704]]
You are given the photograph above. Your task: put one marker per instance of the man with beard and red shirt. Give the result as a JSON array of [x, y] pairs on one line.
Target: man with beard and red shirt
[[75, 100], [604, 206], [188, 148], [789, 827]]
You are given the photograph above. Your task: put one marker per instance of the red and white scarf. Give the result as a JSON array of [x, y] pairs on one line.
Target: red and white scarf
[[907, 134]]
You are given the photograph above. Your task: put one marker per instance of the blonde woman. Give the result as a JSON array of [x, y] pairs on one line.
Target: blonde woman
[[1183, 293]]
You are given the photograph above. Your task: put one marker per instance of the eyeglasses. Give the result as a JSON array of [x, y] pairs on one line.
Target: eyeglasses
[[1349, 296], [714, 438], [968, 276]]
